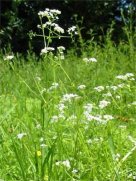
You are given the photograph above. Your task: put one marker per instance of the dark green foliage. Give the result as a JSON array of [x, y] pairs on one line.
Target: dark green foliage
[[18, 17]]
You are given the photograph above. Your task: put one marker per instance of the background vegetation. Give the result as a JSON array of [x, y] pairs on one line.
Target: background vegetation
[[65, 117], [19, 17]]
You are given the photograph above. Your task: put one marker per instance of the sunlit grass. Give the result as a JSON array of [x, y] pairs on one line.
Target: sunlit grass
[[64, 120]]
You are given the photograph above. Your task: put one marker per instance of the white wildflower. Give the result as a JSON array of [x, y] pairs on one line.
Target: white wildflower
[[118, 97], [61, 115], [81, 87], [61, 48], [71, 29], [88, 60], [88, 107], [108, 94], [21, 135], [114, 88], [69, 97], [99, 88], [125, 77], [43, 90], [85, 60], [74, 171], [38, 78], [108, 117], [58, 29], [134, 177], [39, 26], [55, 11], [132, 79], [38, 126], [54, 119], [48, 23], [89, 141], [43, 13], [121, 85], [9, 57], [43, 145], [129, 74], [46, 50], [103, 104], [122, 77], [66, 163], [88, 116], [61, 107], [92, 60], [54, 85]]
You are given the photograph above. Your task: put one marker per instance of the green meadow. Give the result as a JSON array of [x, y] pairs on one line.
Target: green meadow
[[70, 119]]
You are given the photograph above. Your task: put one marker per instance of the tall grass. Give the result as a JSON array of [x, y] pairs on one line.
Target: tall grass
[[71, 119], [46, 135]]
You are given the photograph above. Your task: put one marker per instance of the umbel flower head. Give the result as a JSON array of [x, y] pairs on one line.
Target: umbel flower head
[[9, 57], [49, 13], [21, 135], [46, 50], [88, 60]]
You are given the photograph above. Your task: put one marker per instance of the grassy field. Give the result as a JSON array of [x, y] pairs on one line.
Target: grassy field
[[71, 119]]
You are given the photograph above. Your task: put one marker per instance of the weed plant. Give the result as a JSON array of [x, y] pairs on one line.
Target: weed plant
[[68, 118]]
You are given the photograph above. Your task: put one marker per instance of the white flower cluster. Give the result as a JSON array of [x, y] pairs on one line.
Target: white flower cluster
[[61, 107], [69, 97], [72, 30], [103, 104], [9, 57], [81, 87], [21, 135], [99, 88], [54, 119], [61, 48], [60, 52], [113, 87], [55, 26], [102, 119], [51, 26], [54, 85], [49, 13], [126, 76], [108, 94], [58, 29], [46, 50], [88, 109], [65, 163], [88, 60], [42, 144]]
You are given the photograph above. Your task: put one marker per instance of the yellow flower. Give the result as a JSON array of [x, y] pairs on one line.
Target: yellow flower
[[39, 153]]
